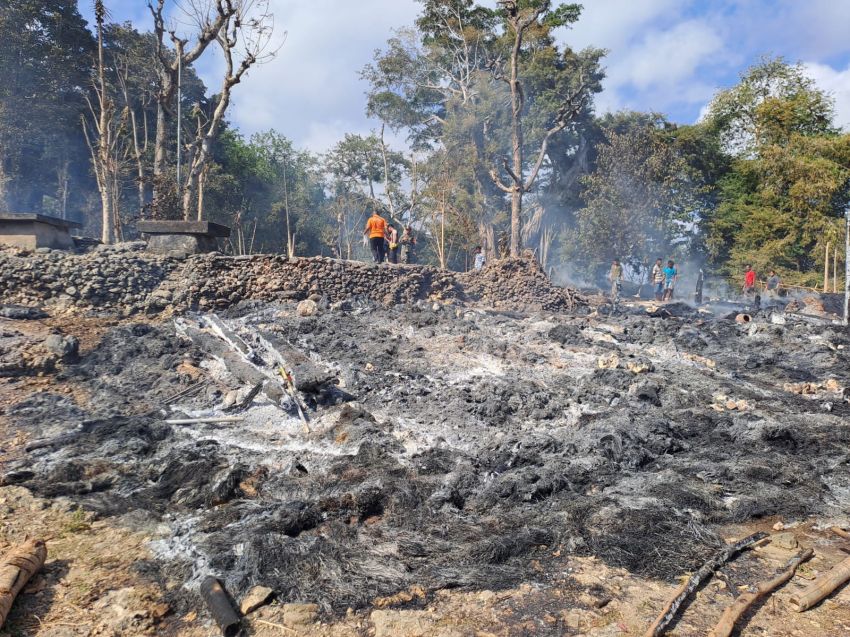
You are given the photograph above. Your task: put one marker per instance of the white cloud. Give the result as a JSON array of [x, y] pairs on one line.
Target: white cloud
[[837, 84], [612, 24], [313, 84], [664, 55], [670, 57]]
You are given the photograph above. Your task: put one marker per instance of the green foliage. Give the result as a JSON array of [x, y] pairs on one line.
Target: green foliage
[[643, 199], [45, 61], [254, 183], [772, 101], [788, 187]]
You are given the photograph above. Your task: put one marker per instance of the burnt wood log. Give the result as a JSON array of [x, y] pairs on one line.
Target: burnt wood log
[[693, 582], [736, 609], [16, 569], [821, 588], [220, 607]]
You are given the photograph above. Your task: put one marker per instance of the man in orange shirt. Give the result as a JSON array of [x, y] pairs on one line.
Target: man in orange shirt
[[376, 227]]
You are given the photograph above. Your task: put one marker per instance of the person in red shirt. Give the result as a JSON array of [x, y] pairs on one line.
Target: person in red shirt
[[749, 281]]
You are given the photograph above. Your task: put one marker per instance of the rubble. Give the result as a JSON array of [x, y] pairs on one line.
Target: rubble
[[116, 279], [445, 449], [124, 280], [450, 444], [255, 598]]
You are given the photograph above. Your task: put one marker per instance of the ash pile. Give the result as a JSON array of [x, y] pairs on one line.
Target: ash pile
[[360, 450]]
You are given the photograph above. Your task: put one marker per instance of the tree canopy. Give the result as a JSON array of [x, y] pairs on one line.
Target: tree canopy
[[504, 147]]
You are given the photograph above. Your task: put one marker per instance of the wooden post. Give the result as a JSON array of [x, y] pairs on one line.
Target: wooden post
[[16, 569], [826, 269], [835, 269]]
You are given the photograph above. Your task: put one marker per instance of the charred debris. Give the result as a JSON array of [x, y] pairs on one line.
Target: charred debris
[[338, 449]]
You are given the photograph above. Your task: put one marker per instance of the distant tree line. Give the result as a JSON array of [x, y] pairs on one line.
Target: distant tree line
[[505, 148]]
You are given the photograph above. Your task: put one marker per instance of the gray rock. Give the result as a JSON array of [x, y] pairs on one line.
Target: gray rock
[[62, 346]]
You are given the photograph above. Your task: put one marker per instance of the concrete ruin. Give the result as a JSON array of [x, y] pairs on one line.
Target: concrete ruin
[[30, 231], [182, 238]]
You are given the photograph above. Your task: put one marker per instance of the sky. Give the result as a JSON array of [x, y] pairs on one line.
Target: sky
[[668, 56]]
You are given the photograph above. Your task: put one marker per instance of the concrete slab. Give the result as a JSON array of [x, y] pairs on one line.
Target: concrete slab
[[182, 238], [30, 230], [183, 227]]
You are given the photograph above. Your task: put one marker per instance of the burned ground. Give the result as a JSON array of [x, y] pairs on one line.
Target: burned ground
[[450, 447]]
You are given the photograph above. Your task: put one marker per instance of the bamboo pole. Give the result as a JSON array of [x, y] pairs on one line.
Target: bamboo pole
[[736, 609], [16, 569], [841, 532], [821, 588]]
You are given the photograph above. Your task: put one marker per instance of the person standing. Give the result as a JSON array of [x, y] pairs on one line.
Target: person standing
[[479, 260], [749, 286], [658, 279], [671, 275], [615, 276], [773, 283], [376, 227], [392, 240], [408, 243]]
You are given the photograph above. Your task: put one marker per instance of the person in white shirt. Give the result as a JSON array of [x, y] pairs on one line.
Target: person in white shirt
[[478, 263], [658, 279]]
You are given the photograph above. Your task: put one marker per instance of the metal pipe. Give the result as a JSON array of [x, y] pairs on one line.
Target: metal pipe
[[220, 607], [179, 109]]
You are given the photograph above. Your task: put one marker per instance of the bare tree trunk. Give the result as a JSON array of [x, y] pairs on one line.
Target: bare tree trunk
[[290, 248], [517, 141], [104, 125], [64, 187], [159, 154], [835, 268], [443, 238], [202, 180]]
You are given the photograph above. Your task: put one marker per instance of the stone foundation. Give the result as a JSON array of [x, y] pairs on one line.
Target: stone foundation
[[124, 280]]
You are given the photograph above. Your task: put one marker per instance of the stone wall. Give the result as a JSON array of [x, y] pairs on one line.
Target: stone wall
[[124, 280], [118, 279]]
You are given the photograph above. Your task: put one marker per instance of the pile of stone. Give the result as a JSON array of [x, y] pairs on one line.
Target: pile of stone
[[518, 284], [125, 280], [216, 282], [113, 278]]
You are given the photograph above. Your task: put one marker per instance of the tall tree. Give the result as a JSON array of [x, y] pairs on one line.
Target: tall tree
[[642, 200], [790, 181], [446, 83], [243, 39], [209, 17], [105, 142], [521, 17], [46, 60]]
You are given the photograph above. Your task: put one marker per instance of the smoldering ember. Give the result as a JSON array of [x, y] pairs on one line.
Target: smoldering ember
[[505, 366]]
